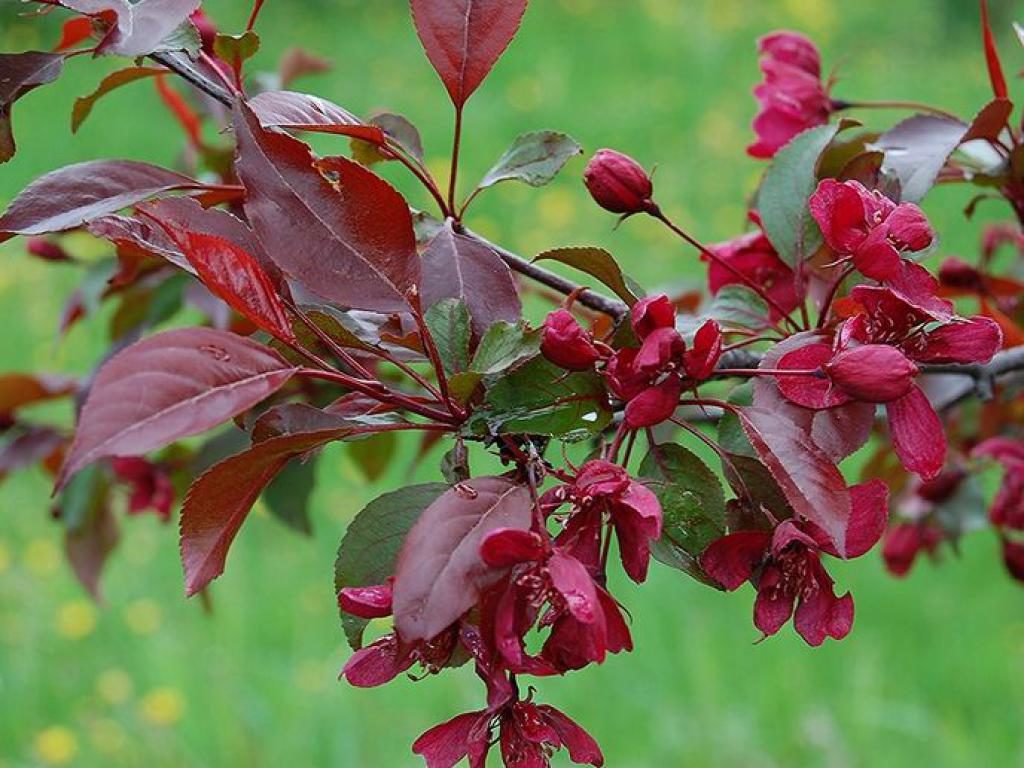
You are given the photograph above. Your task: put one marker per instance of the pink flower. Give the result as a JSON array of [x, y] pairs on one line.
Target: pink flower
[[618, 183], [566, 344], [650, 379], [150, 485], [1007, 509], [753, 256], [867, 227], [785, 566], [904, 542], [792, 97], [547, 587], [528, 734], [872, 359]]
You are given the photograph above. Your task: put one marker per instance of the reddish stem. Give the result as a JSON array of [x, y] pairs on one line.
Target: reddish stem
[[456, 145], [256, 8], [379, 392]]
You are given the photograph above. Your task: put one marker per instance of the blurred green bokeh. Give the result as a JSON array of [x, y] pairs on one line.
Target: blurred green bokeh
[[931, 674]]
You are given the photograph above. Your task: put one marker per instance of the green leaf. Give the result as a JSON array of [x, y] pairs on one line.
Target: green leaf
[[534, 158], [113, 81], [787, 186], [596, 262], [185, 38], [539, 398], [370, 547], [234, 49], [503, 346], [395, 127], [737, 305], [287, 497], [449, 324], [692, 505]]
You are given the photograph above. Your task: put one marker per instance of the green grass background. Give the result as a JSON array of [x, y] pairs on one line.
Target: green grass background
[[932, 672]]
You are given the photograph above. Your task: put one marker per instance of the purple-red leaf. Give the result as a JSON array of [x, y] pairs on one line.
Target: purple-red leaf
[[219, 501], [19, 74], [465, 38], [459, 267], [995, 67], [917, 149], [440, 573], [302, 112], [172, 385], [113, 81], [349, 238], [233, 275], [69, 197], [807, 476], [990, 121]]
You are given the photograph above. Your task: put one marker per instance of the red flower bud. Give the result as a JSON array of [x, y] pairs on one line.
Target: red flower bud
[[873, 373], [618, 183], [366, 602], [655, 404], [566, 344], [957, 273]]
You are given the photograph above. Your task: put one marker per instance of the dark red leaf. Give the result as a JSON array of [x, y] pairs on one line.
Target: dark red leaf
[[916, 149], [113, 81], [69, 197], [234, 275], [810, 480], [19, 389], [88, 547], [459, 267], [19, 74], [990, 121], [34, 445], [219, 501], [302, 112], [169, 386], [995, 68], [465, 38], [440, 573], [349, 239]]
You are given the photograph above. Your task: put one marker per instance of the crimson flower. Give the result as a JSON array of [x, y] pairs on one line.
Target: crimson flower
[[873, 358], [785, 566], [905, 541], [566, 344], [650, 379], [753, 256], [869, 228], [382, 661], [547, 587], [1008, 506], [791, 96], [150, 485], [528, 735], [605, 491]]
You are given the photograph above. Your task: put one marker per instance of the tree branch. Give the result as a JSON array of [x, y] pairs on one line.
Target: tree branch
[[183, 66]]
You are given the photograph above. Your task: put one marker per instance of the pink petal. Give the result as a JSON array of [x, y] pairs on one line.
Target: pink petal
[[700, 361], [917, 434], [576, 586], [810, 391], [774, 603], [444, 745], [583, 750], [974, 341], [651, 313], [838, 207], [731, 560], [661, 347], [505, 547], [366, 602], [876, 257], [376, 664], [820, 613]]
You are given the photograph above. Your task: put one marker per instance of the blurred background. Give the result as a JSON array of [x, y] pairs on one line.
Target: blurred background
[[931, 674]]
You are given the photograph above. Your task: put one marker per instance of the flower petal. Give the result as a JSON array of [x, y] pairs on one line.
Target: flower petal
[[583, 750], [444, 745], [917, 434], [731, 560], [974, 341]]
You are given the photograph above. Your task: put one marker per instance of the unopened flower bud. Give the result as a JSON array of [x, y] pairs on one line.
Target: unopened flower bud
[[618, 183], [873, 373], [956, 273], [651, 313], [566, 344]]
